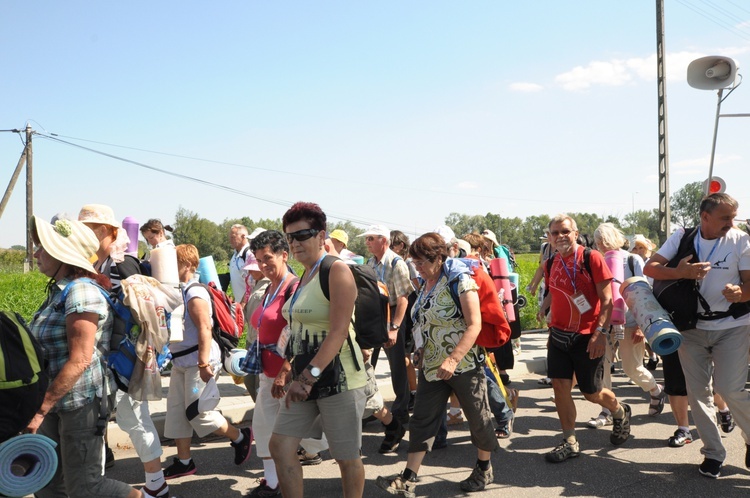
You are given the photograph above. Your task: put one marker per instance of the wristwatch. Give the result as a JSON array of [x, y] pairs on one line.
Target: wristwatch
[[395, 326], [603, 330], [314, 371]]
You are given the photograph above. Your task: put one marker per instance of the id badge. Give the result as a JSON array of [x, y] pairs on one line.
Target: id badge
[[581, 302], [286, 333]]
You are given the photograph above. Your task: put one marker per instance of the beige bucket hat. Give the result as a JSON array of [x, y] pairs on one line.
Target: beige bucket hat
[[68, 241]]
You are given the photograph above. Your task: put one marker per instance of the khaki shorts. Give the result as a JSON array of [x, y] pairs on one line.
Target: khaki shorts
[[186, 386], [340, 420]]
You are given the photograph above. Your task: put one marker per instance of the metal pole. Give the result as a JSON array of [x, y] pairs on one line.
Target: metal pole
[[713, 144], [29, 197]]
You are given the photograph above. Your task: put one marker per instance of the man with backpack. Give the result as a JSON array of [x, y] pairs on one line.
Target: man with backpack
[[394, 273], [713, 316], [581, 305]]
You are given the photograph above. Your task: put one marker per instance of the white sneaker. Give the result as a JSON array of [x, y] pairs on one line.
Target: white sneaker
[[600, 421]]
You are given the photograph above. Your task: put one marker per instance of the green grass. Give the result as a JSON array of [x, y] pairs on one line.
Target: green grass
[[527, 264], [21, 292]]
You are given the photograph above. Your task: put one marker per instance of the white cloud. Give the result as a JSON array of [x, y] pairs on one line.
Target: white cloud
[[467, 186], [526, 87]]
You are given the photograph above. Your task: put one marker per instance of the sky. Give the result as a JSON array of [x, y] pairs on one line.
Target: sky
[[388, 112]]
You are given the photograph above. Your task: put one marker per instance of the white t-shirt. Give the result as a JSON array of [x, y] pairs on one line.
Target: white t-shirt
[[190, 331], [728, 256], [238, 276]]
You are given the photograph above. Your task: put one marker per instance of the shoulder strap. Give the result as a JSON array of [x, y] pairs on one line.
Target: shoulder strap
[[587, 260], [324, 272], [394, 261], [243, 254], [631, 264]]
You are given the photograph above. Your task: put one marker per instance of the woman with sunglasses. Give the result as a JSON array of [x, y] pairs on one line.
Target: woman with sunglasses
[[449, 361], [324, 382]]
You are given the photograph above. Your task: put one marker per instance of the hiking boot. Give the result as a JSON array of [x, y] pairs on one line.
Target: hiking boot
[[396, 485], [710, 468], [656, 404], [306, 458], [681, 438], [601, 420], [562, 452], [478, 480], [621, 427], [243, 449], [179, 469], [392, 438], [263, 491], [727, 422]]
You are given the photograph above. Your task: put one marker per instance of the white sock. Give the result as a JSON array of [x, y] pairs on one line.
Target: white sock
[[686, 429], [239, 439], [656, 391], [455, 411], [269, 472], [185, 462], [154, 480], [725, 410]]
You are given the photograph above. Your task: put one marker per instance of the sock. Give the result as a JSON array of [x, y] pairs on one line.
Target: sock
[[653, 356], [269, 472], [186, 462], [393, 425], [484, 465], [619, 413], [414, 392], [725, 410], [409, 475], [570, 435], [656, 391], [683, 428], [455, 411], [154, 480], [239, 439], [606, 411]]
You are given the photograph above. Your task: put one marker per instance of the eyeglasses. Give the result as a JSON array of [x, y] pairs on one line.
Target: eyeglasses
[[564, 233], [420, 262], [370, 238], [302, 235]]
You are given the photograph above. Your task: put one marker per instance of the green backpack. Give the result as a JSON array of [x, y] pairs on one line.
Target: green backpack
[[23, 375]]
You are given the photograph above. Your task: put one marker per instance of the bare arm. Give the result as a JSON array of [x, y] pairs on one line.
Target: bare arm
[[738, 293], [81, 330], [200, 313], [657, 269], [597, 342]]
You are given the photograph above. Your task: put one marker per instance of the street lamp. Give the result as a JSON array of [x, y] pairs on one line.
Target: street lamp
[[714, 73]]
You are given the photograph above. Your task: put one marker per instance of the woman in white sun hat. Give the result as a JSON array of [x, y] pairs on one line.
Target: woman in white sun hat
[[71, 323]]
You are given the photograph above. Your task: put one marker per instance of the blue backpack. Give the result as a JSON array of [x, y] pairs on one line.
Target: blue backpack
[[120, 352]]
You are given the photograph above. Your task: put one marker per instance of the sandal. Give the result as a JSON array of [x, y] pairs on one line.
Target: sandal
[[546, 381], [656, 404], [504, 431]]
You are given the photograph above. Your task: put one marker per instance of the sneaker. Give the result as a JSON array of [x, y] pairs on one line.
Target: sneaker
[[396, 485], [263, 491], [478, 480], [162, 492], [456, 419], [656, 405], [621, 427], [109, 457], [562, 452], [681, 438], [179, 469], [306, 458], [651, 363], [392, 438], [243, 449], [601, 420], [710, 468], [727, 422]]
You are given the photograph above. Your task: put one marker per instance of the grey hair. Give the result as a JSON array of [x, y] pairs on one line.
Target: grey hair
[[559, 218], [608, 237]]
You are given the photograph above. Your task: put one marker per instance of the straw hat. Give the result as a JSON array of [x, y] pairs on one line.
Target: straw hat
[[68, 241], [98, 213], [640, 240]]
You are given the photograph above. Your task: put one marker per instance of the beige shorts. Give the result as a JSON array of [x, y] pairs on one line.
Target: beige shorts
[[186, 386], [340, 420]]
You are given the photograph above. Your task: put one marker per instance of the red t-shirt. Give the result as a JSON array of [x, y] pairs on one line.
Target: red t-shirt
[[272, 323], [565, 313]]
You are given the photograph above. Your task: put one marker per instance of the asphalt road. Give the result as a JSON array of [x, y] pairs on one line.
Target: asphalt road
[[643, 466]]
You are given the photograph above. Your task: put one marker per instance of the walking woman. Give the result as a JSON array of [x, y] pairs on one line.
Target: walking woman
[[74, 326], [325, 381]]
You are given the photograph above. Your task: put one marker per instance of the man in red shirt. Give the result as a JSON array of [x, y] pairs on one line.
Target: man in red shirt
[[581, 305]]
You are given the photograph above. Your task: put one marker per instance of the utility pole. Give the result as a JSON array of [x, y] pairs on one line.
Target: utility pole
[[29, 198], [665, 214], [13, 180]]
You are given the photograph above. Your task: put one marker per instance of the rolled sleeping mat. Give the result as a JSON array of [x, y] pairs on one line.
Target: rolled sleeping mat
[[513, 278], [131, 226], [27, 464], [164, 265], [501, 278], [207, 269], [613, 260], [233, 362], [652, 319]]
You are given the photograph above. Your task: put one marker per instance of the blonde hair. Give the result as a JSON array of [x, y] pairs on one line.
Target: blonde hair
[[187, 255], [608, 237]]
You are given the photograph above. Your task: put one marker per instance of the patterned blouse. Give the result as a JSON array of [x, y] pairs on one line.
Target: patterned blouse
[[442, 326], [48, 326]]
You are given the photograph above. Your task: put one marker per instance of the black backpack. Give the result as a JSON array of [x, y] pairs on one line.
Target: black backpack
[[371, 309], [23, 375]]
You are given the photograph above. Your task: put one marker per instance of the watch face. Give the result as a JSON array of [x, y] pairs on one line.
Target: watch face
[[315, 371]]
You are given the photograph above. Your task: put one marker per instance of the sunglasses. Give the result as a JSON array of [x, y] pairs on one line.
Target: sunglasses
[[561, 232], [302, 235], [370, 238]]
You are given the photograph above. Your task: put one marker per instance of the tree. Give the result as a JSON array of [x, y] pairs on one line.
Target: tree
[[204, 234], [644, 222], [686, 204]]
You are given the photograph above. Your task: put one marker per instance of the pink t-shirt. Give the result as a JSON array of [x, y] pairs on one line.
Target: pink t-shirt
[[269, 322]]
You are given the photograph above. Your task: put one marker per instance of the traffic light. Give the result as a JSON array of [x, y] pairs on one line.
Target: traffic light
[[715, 186]]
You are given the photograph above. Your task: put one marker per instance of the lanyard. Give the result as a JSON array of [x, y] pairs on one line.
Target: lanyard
[[418, 304], [299, 288], [698, 248], [567, 272], [268, 301]]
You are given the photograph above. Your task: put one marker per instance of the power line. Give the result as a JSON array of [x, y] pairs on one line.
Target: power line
[[715, 19]]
